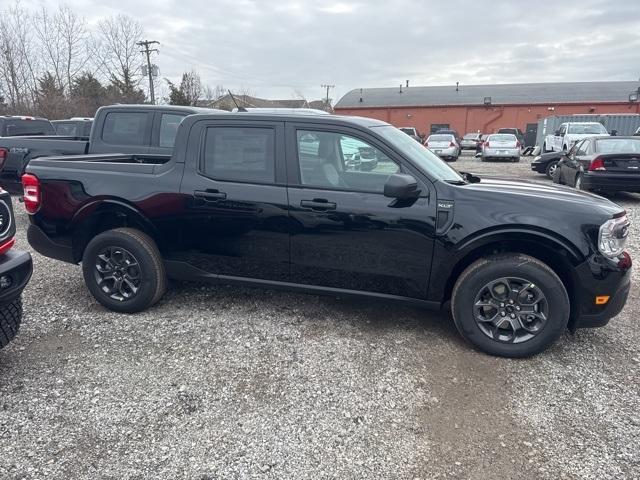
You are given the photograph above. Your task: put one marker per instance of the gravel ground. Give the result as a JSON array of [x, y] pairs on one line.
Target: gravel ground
[[226, 383]]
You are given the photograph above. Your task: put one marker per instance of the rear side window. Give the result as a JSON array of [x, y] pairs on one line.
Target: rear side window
[[169, 123], [240, 154], [69, 129], [125, 128], [20, 127]]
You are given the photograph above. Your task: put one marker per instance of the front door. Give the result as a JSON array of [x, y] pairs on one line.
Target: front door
[[236, 221], [346, 234]]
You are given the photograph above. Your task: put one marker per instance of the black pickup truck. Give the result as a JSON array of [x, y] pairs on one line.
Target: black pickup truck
[[147, 129], [271, 201]]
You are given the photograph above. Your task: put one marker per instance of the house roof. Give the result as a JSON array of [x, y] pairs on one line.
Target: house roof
[[503, 94]]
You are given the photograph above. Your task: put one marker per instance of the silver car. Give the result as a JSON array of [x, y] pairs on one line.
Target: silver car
[[470, 141], [444, 145], [501, 146]]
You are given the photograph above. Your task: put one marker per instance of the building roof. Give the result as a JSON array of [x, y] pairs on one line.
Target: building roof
[[504, 94]]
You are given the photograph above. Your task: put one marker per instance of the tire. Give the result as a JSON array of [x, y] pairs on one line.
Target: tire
[[10, 318], [551, 168], [524, 270], [578, 183], [146, 271]]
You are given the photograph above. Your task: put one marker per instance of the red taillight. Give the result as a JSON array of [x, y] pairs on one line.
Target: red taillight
[[597, 164], [517, 144], [31, 187], [4, 153], [485, 144], [452, 144], [6, 245]]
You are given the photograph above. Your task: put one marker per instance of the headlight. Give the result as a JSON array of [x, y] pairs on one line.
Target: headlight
[[613, 235], [537, 159]]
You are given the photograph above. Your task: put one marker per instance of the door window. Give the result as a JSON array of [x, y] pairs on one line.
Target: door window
[[336, 161], [563, 129], [239, 154], [122, 128], [169, 123], [582, 149]]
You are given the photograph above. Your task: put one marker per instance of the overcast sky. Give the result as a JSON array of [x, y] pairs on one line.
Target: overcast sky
[[277, 47]]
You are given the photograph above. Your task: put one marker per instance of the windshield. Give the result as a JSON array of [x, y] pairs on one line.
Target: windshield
[[618, 145], [587, 129], [422, 157]]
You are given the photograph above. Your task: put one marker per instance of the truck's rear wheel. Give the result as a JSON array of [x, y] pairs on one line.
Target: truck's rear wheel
[[10, 318], [510, 305], [123, 270]]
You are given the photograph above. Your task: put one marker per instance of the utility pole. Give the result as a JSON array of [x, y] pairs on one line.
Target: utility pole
[[327, 87], [147, 51]]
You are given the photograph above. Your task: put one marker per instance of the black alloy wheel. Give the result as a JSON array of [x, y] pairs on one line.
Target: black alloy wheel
[[511, 310], [117, 273]]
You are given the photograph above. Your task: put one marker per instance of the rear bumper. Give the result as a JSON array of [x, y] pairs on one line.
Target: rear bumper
[[16, 268], [499, 153], [42, 244], [626, 182]]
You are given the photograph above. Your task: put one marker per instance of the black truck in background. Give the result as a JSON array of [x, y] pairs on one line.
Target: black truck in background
[[130, 129], [19, 126], [273, 201]]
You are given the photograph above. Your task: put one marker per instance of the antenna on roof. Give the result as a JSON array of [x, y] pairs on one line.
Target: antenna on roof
[[400, 89], [457, 83], [407, 83], [240, 109]]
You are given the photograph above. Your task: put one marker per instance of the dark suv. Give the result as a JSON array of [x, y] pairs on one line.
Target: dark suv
[[270, 201]]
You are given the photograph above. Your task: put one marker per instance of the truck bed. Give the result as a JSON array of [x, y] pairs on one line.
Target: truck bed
[[113, 162]]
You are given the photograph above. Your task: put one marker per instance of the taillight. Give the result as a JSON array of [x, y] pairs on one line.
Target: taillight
[[4, 153], [485, 144], [6, 245], [517, 144], [597, 164], [452, 144], [31, 187]]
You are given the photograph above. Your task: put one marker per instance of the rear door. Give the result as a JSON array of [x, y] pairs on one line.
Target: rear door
[[346, 234], [236, 222]]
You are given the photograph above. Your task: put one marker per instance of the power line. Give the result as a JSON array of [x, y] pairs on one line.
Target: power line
[[146, 44]]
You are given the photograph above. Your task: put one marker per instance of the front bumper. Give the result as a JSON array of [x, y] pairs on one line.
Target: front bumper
[[16, 268], [596, 277], [538, 167], [623, 182]]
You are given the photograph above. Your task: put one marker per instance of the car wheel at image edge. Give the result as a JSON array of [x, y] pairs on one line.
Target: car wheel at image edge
[[551, 168], [510, 305], [123, 270], [10, 318]]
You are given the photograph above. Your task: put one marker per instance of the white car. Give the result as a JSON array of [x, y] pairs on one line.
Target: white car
[[501, 146], [444, 145], [571, 132]]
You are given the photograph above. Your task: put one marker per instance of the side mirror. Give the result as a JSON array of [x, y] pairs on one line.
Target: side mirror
[[401, 187]]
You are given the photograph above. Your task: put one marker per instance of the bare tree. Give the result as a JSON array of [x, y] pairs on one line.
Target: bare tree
[[18, 70], [120, 56]]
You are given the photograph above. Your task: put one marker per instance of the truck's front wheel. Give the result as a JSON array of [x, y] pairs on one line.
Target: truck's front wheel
[[123, 270], [511, 305]]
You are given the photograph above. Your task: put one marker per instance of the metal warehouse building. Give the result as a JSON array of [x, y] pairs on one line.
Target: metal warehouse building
[[485, 108]]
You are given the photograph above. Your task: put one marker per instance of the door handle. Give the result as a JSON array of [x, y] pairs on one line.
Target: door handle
[[210, 195], [318, 204]]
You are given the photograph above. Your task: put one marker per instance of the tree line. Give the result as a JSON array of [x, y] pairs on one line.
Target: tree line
[[52, 64]]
